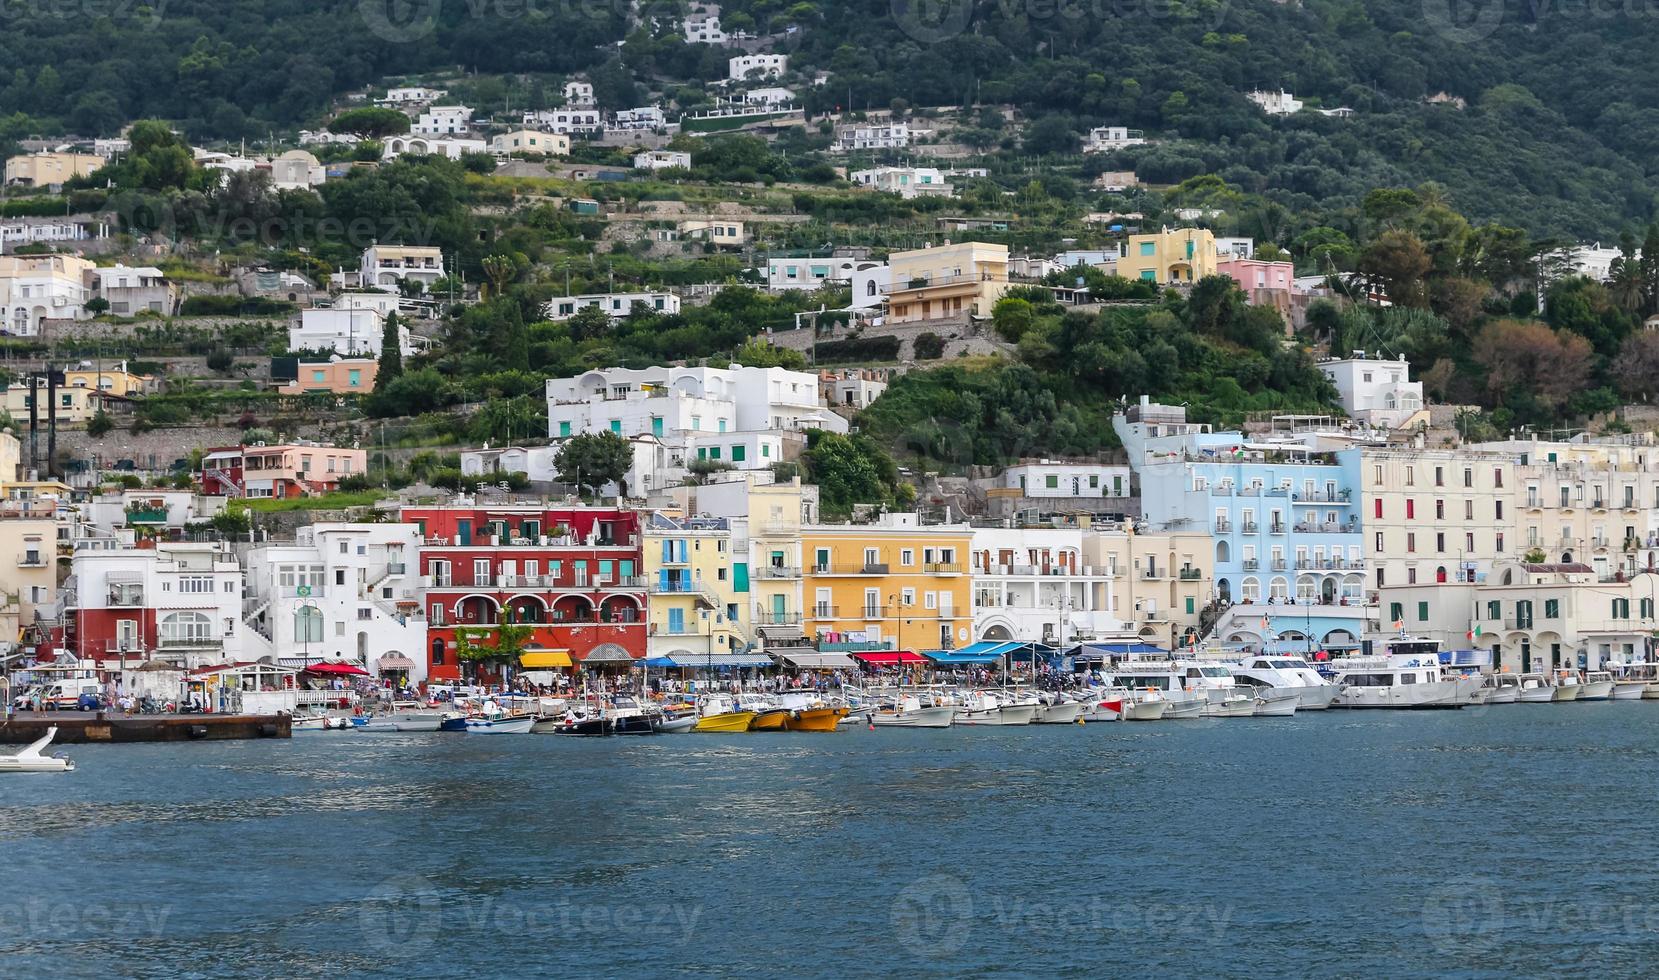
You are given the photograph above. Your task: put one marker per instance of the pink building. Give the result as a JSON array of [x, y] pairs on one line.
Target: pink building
[[1264, 283], [342, 376]]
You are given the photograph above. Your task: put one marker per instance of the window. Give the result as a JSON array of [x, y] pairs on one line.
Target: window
[[1439, 476], [185, 629], [1494, 609], [1621, 608], [1422, 612], [1396, 612], [1376, 508], [907, 557], [739, 454], [1552, 609], [1411, 509], [1411, 541], [1439, 509]]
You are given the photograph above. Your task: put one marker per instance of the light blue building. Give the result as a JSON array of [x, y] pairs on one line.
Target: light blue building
[[1284, 522]]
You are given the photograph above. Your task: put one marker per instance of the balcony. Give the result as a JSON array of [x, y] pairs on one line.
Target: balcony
[[1250, 527], [395, 568], [126, 646], [941, 568], [1277, 527], [923, 283], [31, 559], [777, 572], [780, 529], [147, 515], [1151, 574], [1252, 564], [126, 597], [1191, 575], [1223, 526], [1323, 497], [187, 642], [777, 619], [1278, 564], [855, 568]]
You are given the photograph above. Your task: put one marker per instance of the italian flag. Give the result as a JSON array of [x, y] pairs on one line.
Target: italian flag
[[1474, 634]]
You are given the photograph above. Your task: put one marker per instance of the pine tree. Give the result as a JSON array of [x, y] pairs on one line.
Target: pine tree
[[391, 353], [1650, 271]]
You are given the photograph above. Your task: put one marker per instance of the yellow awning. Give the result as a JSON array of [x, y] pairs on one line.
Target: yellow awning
[[544, 658]]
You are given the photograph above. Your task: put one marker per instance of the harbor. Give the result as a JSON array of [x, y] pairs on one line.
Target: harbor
[[99, 726]]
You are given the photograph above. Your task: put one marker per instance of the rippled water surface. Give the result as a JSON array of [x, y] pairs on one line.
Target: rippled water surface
[[1515, 839]]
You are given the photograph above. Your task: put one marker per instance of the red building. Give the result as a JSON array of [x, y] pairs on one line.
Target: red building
[[574, 573]]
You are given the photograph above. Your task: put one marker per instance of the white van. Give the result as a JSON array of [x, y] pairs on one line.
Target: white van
[[63, 694]]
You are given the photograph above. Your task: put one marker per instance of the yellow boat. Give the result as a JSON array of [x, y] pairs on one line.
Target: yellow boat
[[814, 719], [725, 721], [770, 720]]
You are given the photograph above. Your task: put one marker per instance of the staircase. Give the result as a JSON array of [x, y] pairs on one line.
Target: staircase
[[225, 480], [253, 617]]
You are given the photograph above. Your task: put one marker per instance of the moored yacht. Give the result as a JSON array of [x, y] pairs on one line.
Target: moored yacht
[[1631, 682], [1409, 676], [1567, 686], [1280, 672]]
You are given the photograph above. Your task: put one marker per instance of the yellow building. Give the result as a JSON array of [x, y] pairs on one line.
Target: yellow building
[[1160, 580], [114, 380], [75, 403], [1183, 255], [948, 281], [11, 457], [50, 169], [898, 581], [698, 605], [28, 570]]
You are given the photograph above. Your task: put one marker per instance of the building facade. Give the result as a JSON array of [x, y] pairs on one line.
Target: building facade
[[897, 582], [946, 281], [294, 469], [1178, 255]]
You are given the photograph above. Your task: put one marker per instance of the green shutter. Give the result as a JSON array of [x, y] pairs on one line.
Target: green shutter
[[740, 576]]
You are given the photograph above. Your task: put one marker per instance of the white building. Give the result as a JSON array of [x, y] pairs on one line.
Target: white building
[[870, 282], [809, 272], [340, 592], [179, 602], [1375, 391], [1280, 103], [1235, 248], [740, 417], [889, 135], [443, 120], [385, 266], [571, 119], [530, 141], [1591, 260], [640, 118], [703, 27], [322, 137], [432, 146], [757, 65], [411, 96], [907, 182], [651, 459], [769, 96], [34, 231], [34, 288], [1064, 478], [296, 170], [1105, 139], [1031, 584], [353, 327], [579, 93], [616, 305], [662, 160]]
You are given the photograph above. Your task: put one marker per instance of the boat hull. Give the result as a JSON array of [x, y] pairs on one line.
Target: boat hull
[[1145, 710], [1568, 692], [675, 726], [1231, 708], [1629, 690], [1105, 710], [815, 719], [1436, 694], [769, 721], [417, 723], [1504, 695], [1596, 690], [727, 721], [1064, 713], [581, 727], [499, 726], [1277, 703], [1537, 695], [943, 717], [1185, 710]]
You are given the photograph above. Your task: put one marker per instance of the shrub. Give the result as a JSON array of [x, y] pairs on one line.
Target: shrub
[[929, 346]]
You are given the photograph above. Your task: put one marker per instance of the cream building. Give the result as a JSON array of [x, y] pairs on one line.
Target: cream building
[[531, 141], [1532, 617], [699, 587], [946, 281], [766, 520], [1432, 515], [1034, 584], [1160, 579], [34, 288], [29, 567], [51, 169]]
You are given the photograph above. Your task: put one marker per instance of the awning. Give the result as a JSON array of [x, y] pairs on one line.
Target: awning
[[812, 660], [888, 658], [608, 653], [691, 661], [394, 661], [949, 658], [542, 659], [779, 634], [337, 669]]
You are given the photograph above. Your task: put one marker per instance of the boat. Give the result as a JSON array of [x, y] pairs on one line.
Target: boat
[[769, 719], [1239, 705], [571, 723], [1266, 672], [1277, 702], [499, 725], [1567, 686], [1103, 706], [320, 723], [1146, 705], [1632, 681], [809, 713], [1409, 676], [628, 716], [30, 759], [983, 708], [1054, 710], [1535, 688], [719, 713], [674, 724], [1502, 689], [1598, 686], [373, 723], [909, 711], [1166, 679]]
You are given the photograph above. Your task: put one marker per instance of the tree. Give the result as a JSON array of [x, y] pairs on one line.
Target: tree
[[1530, 360], [1636, 369], [929, 346], [1397, 260], [220, 360], [99, 424], [588, 323], [97, 306], [371, 122], [501, 644], [593, 459], [390, 367], [1011, 318]]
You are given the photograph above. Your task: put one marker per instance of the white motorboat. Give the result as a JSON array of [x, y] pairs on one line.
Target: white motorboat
[[320, 723], [1104, 706], [1238, 705], [1059, 711], [1567, 686], [908, 711], [30, 759], [499, 725], [1502, 688], [1598, 686], [674, 725], [1169, 682], [1631, 682], [1409, 676], [1147, 705], [1277, 702], [1535, 688], [1278, 671], [988, 709]]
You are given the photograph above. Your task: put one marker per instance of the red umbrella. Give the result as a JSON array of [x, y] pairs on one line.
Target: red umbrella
[[341, 669]]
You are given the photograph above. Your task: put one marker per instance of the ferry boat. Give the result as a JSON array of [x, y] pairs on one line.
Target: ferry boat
[[1277, 672], [1165, 679], [1409, 675]]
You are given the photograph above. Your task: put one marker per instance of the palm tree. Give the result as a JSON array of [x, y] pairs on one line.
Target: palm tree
[[1625, 283]]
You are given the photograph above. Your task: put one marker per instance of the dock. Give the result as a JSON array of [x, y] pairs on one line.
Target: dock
[[24, 727]]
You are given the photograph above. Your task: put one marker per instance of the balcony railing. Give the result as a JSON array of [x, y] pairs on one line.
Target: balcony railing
[[1250, 527], [1223, 526], [1323, 497], [1252, 564], [852, 568], [1152, 574], [1191, 574], [777, 572], [31, 560], [770, 618], [942, 568]]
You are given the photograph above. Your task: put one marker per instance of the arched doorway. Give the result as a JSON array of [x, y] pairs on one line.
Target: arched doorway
[[1440, 574], [1224, 591], [1327, 591], [996, 633]]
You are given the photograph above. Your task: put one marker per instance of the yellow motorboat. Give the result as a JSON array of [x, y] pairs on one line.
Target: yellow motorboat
[[770, 720], [814, 719], [725, 721]]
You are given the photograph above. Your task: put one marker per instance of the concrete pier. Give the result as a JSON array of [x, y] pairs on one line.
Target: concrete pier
[[24, 727]]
